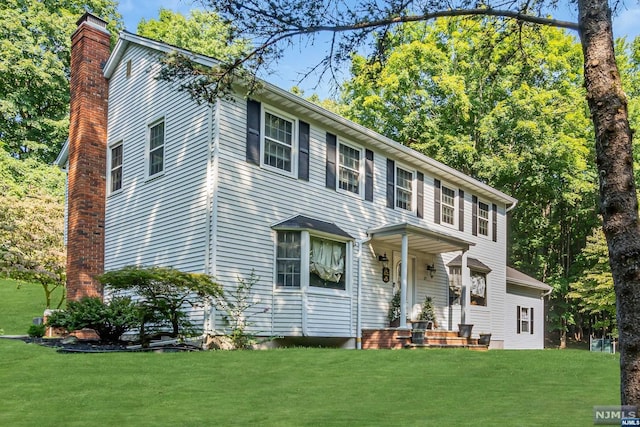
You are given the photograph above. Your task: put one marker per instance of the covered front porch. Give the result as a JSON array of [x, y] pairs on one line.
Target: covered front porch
[[415, 268]]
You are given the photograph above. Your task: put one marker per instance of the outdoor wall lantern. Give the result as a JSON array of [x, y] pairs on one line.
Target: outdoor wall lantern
[[431, 269], [385, 267]]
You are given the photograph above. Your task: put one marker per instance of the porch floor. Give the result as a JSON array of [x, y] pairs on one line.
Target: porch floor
[[392, 338]]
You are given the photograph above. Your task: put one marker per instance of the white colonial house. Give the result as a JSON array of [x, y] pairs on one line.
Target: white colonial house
[[332, 217]]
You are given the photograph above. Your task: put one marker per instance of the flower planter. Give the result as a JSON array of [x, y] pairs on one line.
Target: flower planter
[[464, 330], [422, 324], [485, 339], [417, 336]]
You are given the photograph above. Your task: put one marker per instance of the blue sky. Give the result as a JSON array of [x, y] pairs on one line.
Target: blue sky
[[626, 23]]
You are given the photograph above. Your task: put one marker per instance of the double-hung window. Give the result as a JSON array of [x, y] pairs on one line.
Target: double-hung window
[[156, 148], [404, 189], [288, 259], [327, 261], [115, 167], [278, 142], [524, 320], [483, 219], [448, 205], [349, 164]]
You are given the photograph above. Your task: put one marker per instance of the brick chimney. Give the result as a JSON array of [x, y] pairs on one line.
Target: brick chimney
[[90, 49]]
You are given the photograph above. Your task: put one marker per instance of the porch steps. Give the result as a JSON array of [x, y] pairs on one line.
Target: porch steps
[[401, 338]]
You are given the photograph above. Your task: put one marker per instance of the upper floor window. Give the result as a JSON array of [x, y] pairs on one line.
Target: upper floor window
[[404, 189], [483, 219], [349, 168], [115, 173], [278, 142], [156, 148], [448, 205]]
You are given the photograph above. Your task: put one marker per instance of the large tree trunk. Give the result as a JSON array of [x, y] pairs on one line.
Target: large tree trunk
[[618, 201]]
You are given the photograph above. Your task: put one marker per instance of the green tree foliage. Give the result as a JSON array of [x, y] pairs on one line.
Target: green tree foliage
[[31, 224], [504, 106], [592, 291], [201, 32], [35, 40]]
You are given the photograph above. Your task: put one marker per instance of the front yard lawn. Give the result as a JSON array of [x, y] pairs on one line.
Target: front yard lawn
[[301, 387]]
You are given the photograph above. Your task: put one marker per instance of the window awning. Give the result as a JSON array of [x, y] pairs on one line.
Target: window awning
[[472, 263], [421, 239], [302, 222]]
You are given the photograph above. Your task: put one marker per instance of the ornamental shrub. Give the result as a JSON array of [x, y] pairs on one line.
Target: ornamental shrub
[[162, 293], [110, 320]]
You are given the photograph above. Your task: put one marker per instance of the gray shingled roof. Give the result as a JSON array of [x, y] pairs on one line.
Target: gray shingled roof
[[301, 222], [516, 277], [472, 263]]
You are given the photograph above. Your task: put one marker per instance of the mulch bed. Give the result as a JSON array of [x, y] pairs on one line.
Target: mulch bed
[[73, 345]]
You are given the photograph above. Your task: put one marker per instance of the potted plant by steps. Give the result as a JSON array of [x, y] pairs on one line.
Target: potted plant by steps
[[464, 330], [427, 317], [394, 310], [485, 338]]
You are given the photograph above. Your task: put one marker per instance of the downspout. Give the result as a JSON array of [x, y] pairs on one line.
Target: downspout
[[359, 243], [510, 208], [211, 207]]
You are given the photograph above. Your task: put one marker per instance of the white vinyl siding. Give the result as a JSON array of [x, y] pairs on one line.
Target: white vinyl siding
[[158, 222], [524, 314]]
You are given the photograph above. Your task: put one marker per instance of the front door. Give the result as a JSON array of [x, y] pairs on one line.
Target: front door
[[412, 308]]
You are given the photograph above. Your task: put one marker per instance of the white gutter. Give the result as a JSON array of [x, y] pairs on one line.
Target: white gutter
[[359, 243], [513, 205]]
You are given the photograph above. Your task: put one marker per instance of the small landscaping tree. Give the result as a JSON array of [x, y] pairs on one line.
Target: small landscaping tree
[[237, 305], [163, 294]]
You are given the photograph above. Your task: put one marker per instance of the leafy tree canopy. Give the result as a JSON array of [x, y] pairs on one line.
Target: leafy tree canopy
[[35, 40], [201, 32]]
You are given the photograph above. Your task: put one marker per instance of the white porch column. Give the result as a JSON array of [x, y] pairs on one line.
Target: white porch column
[[404, 256], [465, 298]]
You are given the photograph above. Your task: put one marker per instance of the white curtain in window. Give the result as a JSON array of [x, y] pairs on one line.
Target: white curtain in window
[[478, 284], [327, 259]]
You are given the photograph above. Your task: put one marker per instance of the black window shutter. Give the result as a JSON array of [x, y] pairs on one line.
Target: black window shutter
[[436, 201], [494, 213], [253, 131], [518, 317], [391, 183], [331, 161], [420, 195], [303, 151], [531, 321], [461, 210], [474, 215], [368, 175]]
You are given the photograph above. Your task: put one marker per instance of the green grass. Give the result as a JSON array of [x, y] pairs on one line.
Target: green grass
[[19, 304], [303, 387]]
